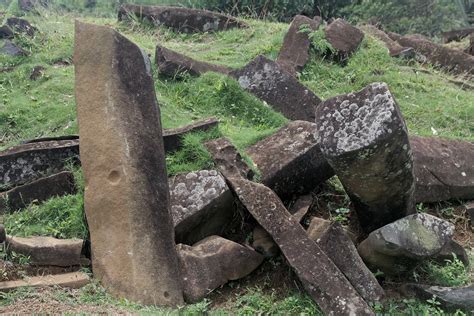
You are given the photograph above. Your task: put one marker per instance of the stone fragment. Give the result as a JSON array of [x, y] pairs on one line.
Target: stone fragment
[[172, 137], [180, 19], [301, 207], [444, 169], [290, 161], [323, 281], [364, 138], [37, 191], [294, 53], [126, 196], [344, 38], [452, 248], [338, 246], [227, 159], [269, 82], [172, 64], [29, 162], [53, 138], [201, 205], [317, 227], [470, 49], [452, 60], [47, 251], [21, 26], [395, 49], [37, 72], [73, 280], [213, 262], [11, 49], [6, 32], [457, 35], [263, 243], [399, 246]]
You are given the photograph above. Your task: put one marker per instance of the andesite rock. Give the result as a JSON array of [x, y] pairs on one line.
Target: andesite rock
[[263, 243], [126, 196], [290, 161], [344, 38], [73, 280], [6, 32], [11, 49], [364, 138], [181, 19], [444, 169], [294, 53], [323, 281], [52, 138], [301, 207], [394, 48], [213, 262], [269, 82], [172, 64], [201, 205], [173, 137], [452, 248], [21, 26]]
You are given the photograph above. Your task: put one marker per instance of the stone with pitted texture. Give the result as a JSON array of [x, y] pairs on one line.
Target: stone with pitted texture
[[344, 38], [364, 138]]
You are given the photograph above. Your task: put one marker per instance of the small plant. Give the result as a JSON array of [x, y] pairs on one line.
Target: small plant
[[342, 215], [319, 42], [452, 273]]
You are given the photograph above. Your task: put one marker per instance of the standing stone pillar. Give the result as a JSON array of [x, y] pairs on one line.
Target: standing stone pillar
[[122, 154], [364, 138]]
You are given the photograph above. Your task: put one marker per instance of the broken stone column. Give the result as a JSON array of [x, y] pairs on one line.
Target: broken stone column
[[344, 38], [395, 49], [364, 138], [126, 186]]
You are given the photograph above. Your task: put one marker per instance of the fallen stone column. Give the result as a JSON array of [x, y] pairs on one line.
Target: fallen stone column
[[73, 280], [173, 137], [122, 154], [364, 138], [344, 38], [395, 49]]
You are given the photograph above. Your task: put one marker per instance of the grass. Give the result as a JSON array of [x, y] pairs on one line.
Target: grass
[[451, 273]]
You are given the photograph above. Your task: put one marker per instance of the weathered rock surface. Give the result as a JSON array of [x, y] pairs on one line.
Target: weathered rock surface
[[6, 32], [268, 81], [47, 251], [323, 281], [294, 53], [452, 248], [263, 242], [395, 49], [73, 280], [397, 247], [201, 205], [317, 227], [21, 26], [290, 161], [181, 19], [444, 169], [337, 245], [452, 60], [126, 195], [213, 262], [40, 190], [344, 38], [172, 64], [172, 137], [11, 49], [29, 162], [301, 207], [457, 35], [364, 138]]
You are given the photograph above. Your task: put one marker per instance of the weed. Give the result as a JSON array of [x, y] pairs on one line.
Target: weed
[[451, 273]]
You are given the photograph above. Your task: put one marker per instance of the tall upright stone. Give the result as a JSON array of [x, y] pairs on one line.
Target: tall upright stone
[[126, 186], [364, 138]]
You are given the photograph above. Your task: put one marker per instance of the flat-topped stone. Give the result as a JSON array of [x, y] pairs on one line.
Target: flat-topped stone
[[344, 38], [73, 280]]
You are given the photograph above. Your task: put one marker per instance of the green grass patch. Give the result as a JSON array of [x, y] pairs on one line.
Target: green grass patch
[[452, 273]]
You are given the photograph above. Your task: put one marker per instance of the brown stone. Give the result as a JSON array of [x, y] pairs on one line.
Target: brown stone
[[290, 161], [317, 227], [323, 281], [395, 49], [173, 137], [301, 207], [443, 169], [53, 138], [364, 137], [37, 191], [180, 19], [126, 195], [294, 53], [344, 38], [213, 262], [263, 242], [73, 280], [457, 35]]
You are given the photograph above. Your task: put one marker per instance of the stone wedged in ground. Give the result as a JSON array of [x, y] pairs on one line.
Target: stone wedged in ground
[[457, 35], [323, 281], [269, 82], [172, 64], [213, 262], [344, 38], [11, 49], [394, 48], [6, 32], [21, 26], [173, 137], [126, 196], [294, 53], [29, 162], [452, 60], [40, 190], [399, 246], [72, 280], [180, 19], [443, 169], [337, 245], [290, 161], [364, 138], [201, 205], [47, 251]]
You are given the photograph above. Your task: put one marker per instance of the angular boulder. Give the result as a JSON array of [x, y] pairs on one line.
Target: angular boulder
[[21, 26], [364, 138], [344, 38], [37, 191], [172, 64], [263, 243], [173, 137], [294, 53], [395, 49], [290, 161], [323, 281], [269, 82], [180, 19], [201, 205], [126, 196], [399, 246], [213, 262], [444, 169], [6, 32], [301, 207], [11, 49]]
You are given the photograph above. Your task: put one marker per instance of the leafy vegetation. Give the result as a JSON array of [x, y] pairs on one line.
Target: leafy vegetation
[[451, 273]]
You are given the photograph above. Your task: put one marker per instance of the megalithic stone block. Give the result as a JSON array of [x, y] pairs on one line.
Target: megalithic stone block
[[126, 186], [364, 138]]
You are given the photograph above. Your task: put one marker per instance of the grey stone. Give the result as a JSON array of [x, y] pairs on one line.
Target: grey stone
[[173, 137], [6, 32], [452, 248], [11, 49]]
